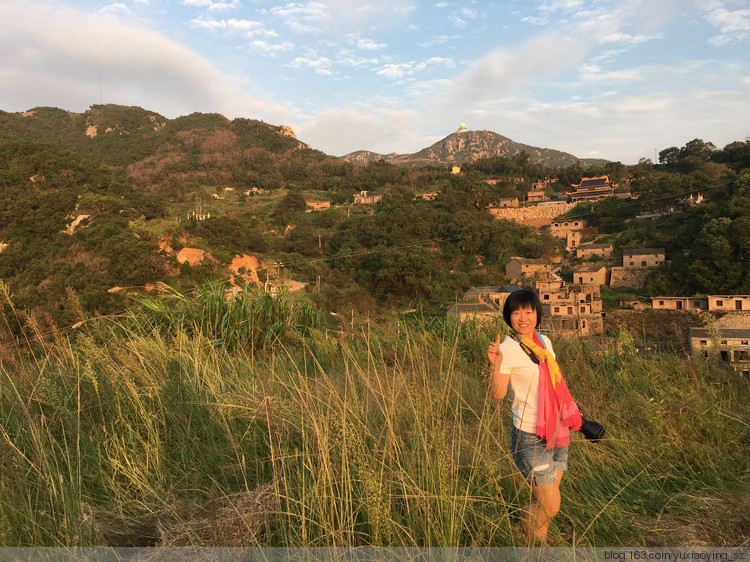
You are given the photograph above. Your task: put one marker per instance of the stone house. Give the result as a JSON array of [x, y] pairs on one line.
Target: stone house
[[636, 258], [317, 206], [679, 303], [536, 195], [560, 229], [481, 303], [591, 275], [519, 269], [572, 309], [362, 198], [728, 340], [494, 295], [473, 311], [570, 231], [719, 303], [588, 251], [508, 203]]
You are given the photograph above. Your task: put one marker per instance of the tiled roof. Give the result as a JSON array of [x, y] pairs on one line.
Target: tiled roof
[[589, 268], [642, 251], [724, 333], [594, 182]]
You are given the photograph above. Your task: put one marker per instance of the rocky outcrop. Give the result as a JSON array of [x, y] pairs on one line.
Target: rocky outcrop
[[468, 146]]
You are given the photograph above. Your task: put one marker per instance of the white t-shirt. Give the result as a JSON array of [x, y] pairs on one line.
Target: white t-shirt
[[524, 382]]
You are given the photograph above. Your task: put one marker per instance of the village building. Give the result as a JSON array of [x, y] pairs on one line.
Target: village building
[[464, 311], [317, 206], [362, 198], [642, 257], [569, 230], [481, 303], [633, 304], [592, 189], [490, 294], [536, 194], [591, 274], [728, 340], [559, 229], [719, 303], [588, 251], [508, 203], [679, 303], [571, 309], [520, 269]]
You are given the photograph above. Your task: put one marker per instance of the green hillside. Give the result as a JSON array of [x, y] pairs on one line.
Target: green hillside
[[108, 198]]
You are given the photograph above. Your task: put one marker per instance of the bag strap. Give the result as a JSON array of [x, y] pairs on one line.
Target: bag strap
[[525, 348]]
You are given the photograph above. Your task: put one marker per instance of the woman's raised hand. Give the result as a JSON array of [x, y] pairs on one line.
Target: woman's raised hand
[[493, 352]]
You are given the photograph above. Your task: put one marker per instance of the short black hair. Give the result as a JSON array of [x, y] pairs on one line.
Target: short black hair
[[523, 298]]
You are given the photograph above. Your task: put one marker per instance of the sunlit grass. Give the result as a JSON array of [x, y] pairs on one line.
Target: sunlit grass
[[202, 421]]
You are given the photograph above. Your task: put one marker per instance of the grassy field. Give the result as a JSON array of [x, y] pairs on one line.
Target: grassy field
[[254, 422]]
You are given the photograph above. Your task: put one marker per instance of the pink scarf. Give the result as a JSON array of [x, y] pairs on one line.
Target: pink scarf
[[557, 412]]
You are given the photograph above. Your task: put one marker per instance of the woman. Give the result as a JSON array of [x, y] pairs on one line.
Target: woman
[[543, 410]]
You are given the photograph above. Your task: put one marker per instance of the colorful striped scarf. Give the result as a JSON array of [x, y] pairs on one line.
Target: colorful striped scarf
[[557, 413]]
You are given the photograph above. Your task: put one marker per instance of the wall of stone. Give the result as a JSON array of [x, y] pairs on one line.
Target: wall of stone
[[632, 278], [524, 214]]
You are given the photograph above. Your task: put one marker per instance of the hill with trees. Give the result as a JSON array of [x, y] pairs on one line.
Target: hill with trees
[[106, 199]]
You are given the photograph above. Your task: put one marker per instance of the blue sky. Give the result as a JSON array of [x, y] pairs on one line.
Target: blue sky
[[596, 78]]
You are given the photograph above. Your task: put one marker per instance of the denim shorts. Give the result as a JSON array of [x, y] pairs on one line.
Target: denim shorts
[[538, 464]]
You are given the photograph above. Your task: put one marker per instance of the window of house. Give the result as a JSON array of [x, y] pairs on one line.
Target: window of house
[[643, 263], [557, 309], [704, 342], [632, 263], [661, 303], [546, 297], [744, 342], [583, 309], [719, 303], [723, 342], [570, 310]]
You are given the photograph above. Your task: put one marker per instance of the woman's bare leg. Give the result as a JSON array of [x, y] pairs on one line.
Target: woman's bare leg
[[545, 503]]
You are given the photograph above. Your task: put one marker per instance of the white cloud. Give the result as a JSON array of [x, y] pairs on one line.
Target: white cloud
[[369, 44], [321, 65], [627, 39], [213, 5], [342, 16], [271, 48], [379, 125], [400, 70], [733, 26], [246, 28], [303, 18], [56, 57]]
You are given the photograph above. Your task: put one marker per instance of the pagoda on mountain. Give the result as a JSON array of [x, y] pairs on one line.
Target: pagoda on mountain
[[592, 189]]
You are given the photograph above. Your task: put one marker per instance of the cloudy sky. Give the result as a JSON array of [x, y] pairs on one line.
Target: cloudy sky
[[616, 79]]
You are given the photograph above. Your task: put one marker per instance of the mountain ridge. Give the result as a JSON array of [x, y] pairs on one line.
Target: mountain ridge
[[470, 145]]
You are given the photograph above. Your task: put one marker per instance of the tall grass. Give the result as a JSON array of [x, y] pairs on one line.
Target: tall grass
[[186, 424]]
